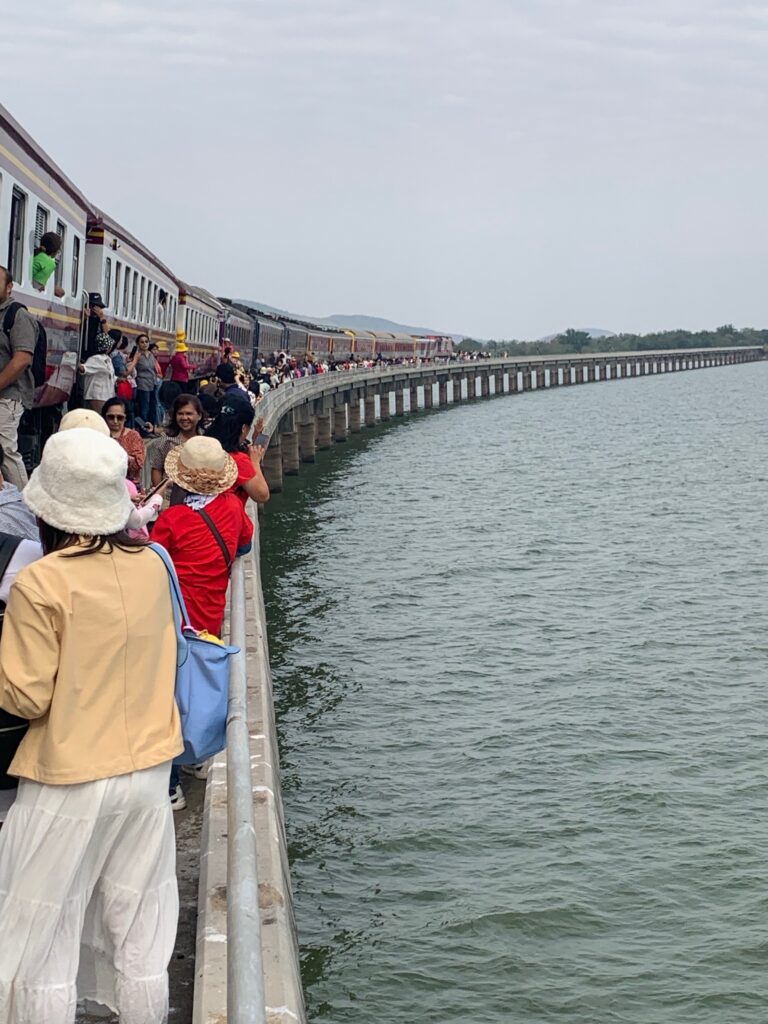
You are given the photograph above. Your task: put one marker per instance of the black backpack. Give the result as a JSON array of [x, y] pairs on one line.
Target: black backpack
[[40, 355], [12, 729]]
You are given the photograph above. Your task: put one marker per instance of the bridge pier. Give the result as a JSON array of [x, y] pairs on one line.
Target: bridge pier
[[399, 403], [457, 389], [354, 415], [485, 386], [340, 424], [384, 406], [272, 466], [324, 431], [526, 380], [289, 442], [307, 441], [443, 393], [370, 410], [413, 399], [429, 394]]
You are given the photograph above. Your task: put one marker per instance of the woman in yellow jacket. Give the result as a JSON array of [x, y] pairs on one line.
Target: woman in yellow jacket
[[88, 897]]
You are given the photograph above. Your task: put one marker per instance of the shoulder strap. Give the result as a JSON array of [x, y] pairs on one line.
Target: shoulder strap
[[180, 615], [8, 545], [219, 539], [10, 316]]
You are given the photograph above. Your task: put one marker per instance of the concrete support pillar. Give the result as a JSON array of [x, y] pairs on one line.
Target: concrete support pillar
[[290, 445], [457, 389], [307, 441], [340, 424], [591, 373], [324, 431], [498, 384], [566, 375], [399, 403], [443, 392], [413, 399], [485, 385], [354, 416], [370, 411], [429, 395], [526, 380], [384, 400], [272, 467]]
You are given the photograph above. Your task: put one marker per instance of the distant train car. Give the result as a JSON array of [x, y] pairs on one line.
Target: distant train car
[[36, 197], [363, 343], [237, 329], [140, 292], [200, 316], [328, 344]]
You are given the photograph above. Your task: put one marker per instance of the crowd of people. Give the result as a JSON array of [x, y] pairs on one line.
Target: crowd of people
[[89, 726]]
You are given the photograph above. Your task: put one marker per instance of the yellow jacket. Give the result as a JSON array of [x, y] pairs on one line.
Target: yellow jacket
[[88, 654]]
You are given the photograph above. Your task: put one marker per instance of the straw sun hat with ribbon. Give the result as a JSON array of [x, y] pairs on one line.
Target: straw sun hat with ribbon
[[201, 466]]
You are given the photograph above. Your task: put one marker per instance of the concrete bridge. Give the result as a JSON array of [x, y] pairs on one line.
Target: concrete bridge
[[247, 971], [313, 413]]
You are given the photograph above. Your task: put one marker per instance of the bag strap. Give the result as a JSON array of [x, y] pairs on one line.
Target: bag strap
[[180, 615], [10, 316], [8, 545], [219, 539]]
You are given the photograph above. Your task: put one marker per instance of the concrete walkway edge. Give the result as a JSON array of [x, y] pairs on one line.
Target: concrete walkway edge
[[282, 973]]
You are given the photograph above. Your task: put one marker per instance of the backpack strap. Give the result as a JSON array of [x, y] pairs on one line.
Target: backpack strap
[[219, 539], [10, 316], [8, 545], [180, 616]]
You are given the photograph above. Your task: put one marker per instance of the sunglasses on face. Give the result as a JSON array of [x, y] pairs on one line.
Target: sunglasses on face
[[112, 416]]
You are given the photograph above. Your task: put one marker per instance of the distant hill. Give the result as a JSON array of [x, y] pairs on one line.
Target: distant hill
[[357, 321], [593, 332]]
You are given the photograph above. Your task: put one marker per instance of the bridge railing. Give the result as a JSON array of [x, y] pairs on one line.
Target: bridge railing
[[245, 972]]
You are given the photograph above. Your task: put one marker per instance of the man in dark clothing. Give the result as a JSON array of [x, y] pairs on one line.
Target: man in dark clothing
[[17, 385], [97, 323]]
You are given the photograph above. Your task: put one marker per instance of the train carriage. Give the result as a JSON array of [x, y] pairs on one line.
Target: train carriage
[[363, 343], [200, 317], [37, 197], [238, 329], [141, 294]]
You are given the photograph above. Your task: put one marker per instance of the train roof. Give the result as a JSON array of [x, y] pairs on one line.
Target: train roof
[[38, 154], [98, 218], [201, 294]]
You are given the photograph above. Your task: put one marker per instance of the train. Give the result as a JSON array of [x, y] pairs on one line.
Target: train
[[142, 294]]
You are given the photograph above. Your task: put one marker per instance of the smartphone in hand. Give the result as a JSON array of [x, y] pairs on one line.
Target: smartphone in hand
[[261, 441]]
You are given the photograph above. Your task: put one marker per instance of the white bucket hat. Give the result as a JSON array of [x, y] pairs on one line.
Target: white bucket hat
[[84, 418], [79, 486]]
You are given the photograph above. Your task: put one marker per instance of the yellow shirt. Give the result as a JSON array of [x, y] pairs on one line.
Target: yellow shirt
[[88, 654]]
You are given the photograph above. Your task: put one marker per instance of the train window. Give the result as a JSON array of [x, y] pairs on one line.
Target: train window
[[142, 291], [126, 289], [134, 294], [41, 223], [118, 279], [154, 304], [75, 264], [61, 231], [16, 234], [107, 279]]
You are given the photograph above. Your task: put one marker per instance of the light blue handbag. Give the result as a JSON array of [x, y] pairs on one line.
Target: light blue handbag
[[202, 680]]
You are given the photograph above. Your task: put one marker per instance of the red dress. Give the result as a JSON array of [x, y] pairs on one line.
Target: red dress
[[199, 561], [245, 472]]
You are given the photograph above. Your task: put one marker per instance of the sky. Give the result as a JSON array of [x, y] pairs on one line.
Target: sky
[[499, 168]]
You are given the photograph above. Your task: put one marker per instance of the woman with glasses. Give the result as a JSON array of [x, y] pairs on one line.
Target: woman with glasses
[[115, 412]]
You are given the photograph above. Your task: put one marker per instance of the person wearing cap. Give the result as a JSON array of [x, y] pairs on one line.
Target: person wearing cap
[[88, 655], [96, 322]]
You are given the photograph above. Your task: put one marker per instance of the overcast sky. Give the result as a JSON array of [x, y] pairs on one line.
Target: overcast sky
[[502, 168]]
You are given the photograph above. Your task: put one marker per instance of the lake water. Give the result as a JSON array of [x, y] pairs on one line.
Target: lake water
[[519, 651]]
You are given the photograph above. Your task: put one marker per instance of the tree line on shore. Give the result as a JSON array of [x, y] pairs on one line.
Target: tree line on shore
[[581, 341]]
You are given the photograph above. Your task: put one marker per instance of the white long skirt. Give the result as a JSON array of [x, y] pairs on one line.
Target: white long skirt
[[88, 899]]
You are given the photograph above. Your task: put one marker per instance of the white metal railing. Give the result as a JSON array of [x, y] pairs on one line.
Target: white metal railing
[[245, 972]]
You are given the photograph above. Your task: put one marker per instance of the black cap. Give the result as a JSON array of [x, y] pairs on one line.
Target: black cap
[[95, 299]]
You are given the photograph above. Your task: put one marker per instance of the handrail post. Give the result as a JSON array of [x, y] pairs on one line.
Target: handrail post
[[245, 973]]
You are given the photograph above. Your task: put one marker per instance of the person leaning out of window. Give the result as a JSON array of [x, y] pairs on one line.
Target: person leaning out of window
[[44, 262]]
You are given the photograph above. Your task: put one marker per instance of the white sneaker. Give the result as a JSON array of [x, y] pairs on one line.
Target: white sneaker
[[198, 771], [178, 800]]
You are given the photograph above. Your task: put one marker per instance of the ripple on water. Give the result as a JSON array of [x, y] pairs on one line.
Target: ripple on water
[[522, 709]]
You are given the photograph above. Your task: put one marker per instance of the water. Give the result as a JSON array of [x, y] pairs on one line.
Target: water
[[519, 652]]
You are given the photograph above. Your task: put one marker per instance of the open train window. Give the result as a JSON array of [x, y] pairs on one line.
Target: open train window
[[107, 279], [16, 234], [61, 231], [118, 279], [134, 293], [126, 290], [142, 293], [75, 264], [41, 223]]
